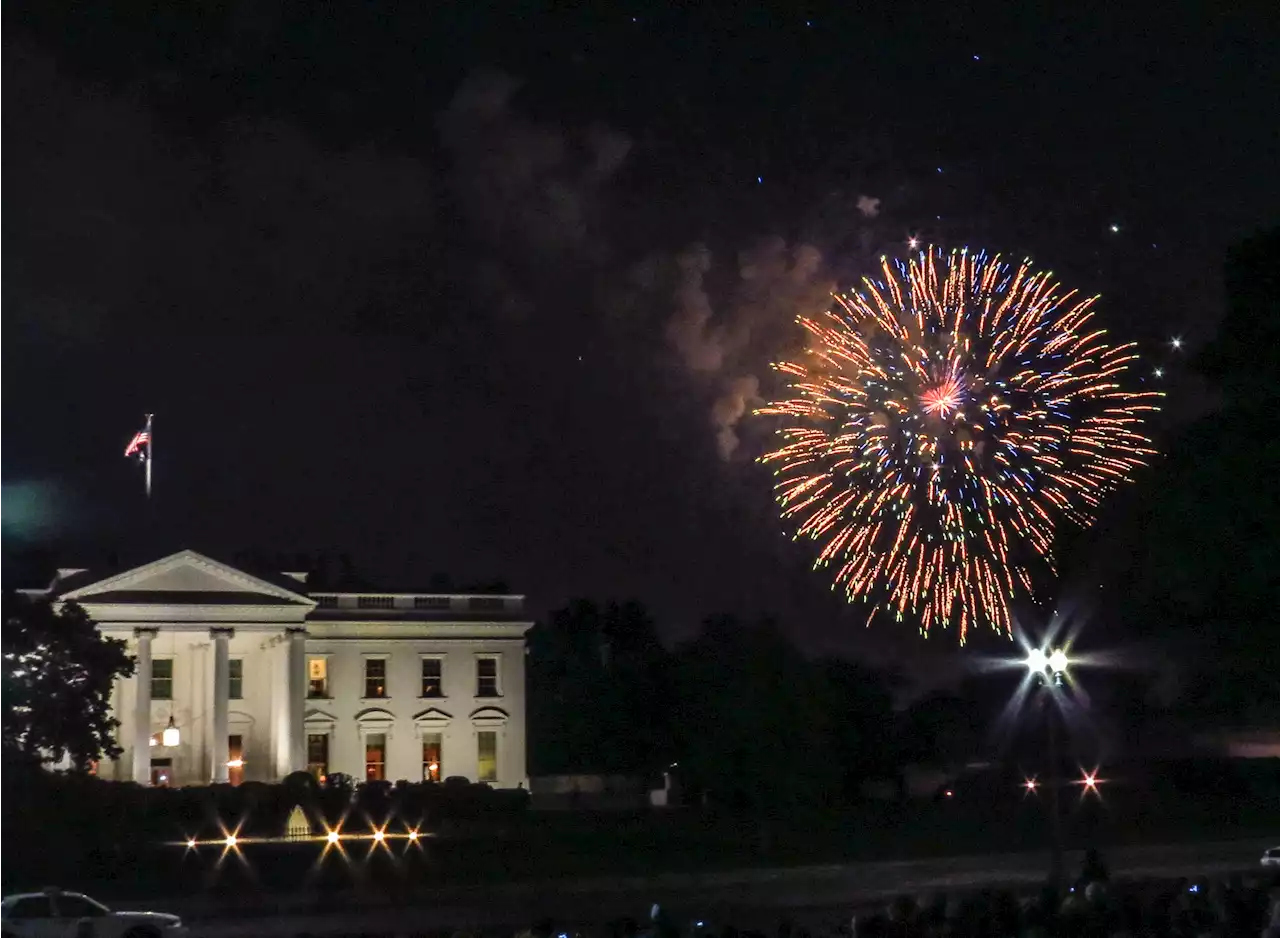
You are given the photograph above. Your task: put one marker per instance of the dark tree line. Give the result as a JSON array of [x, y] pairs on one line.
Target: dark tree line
[[1204, 578], [737, 714]]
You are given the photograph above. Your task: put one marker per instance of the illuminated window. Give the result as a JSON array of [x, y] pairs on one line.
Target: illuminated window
[[235, 754], [487, 767], [375, 678], [318, 677], [432, 677], [162, 679], [375, 757], [161, 772], [318, 754], [431, 756], [487, 677], [235, 679], [376, 602], [431, 602]]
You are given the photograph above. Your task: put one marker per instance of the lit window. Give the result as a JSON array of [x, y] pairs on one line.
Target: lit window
[[235, 759], [432, 682], [318, 754], [162, 679], [375, 678], [376, 602], [318, 677], [375, 757], [486, 677], [431, 757], [487, 767], [235, 679], [161, 772], [431, 602]]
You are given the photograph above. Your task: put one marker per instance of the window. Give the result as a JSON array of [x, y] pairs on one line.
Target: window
[[235, 679], [431, 755], [431, 602], [318, 677], [31, 907], [318, 754], [375, 678], [327, 602], [376, 602], [162, 679], [486, 603], [161, 772], [73, 906], [432, 677], [375, 757], [486, 677], [235, 759], [487, 746]]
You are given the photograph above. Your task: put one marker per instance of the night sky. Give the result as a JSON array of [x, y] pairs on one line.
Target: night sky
[[415, 284]]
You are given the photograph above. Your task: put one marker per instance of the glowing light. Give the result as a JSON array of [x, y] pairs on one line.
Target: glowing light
[[1031, 784], [379, 836], [191, 842], [231, 840], [913, 242], [1159, 372], [947, 417], [235, 764], [171, 737], [1036, 660], [1176, 342], [1090, 781], [413, 835], [332, 837], [1058, 661], [1115, 229]]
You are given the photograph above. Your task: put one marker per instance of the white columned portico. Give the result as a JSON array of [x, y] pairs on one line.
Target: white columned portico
[[297, 701], [218, 751], [142, 707]]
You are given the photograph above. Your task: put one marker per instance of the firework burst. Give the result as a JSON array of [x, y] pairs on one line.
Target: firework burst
[[942, 422]]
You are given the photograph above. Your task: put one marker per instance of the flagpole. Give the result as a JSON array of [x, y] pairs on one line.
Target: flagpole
[[150, 437]]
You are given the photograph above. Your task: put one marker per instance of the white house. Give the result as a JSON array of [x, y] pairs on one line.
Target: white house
[[251, 677]]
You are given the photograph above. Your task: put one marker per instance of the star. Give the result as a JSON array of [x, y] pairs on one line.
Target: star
[[1176, 342]]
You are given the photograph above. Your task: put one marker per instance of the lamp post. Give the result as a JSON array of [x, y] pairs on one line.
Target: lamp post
[[1048, 667]]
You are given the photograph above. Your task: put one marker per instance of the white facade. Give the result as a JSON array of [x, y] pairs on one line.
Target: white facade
[[261, 678]]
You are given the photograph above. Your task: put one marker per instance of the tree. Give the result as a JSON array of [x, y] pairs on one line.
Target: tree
[[1204, 577], [753, 720], [599, 698], [58, 675]]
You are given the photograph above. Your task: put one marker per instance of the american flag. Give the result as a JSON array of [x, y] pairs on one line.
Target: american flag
[[137, 444]]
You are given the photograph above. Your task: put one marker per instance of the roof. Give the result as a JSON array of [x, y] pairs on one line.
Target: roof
[[193, 597]]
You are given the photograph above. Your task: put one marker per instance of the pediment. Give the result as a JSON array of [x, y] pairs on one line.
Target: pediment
[[432, 717], [489, 716], [186, 577]]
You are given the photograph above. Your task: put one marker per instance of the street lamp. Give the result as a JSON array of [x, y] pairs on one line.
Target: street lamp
[[1049, 667]]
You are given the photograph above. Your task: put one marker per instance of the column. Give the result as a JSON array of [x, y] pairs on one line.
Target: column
[[218, 752], [297, 746], [142, 707]]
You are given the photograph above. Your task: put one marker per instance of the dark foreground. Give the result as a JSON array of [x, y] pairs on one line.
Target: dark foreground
[[816, 897]]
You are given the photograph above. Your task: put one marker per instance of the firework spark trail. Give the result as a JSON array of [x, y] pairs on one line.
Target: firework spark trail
[[945, 419]]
